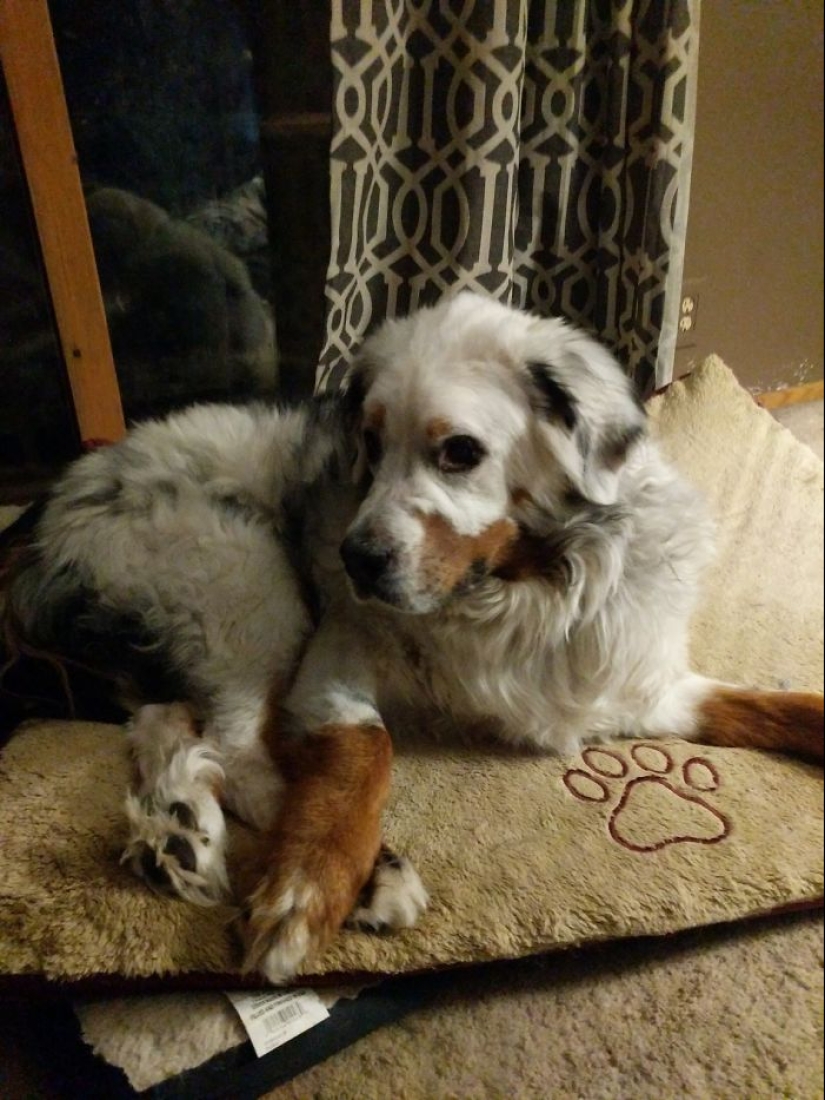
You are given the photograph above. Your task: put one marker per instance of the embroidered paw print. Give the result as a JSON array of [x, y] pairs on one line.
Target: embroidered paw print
[[657, 801]]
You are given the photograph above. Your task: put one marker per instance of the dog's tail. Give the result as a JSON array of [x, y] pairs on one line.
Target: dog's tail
[[38, 678], [776, 721], [32, 681]]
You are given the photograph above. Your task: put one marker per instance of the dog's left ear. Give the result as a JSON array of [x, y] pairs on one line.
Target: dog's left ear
[[594, 413], [352, 405]]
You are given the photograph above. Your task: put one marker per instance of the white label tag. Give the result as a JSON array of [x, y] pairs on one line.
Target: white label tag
[[272, 1019]]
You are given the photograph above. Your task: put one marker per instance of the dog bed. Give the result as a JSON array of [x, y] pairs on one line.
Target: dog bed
[[521, 854]]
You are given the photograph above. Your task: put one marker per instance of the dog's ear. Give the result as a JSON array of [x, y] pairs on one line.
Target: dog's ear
[[352, 405], [593, 411]]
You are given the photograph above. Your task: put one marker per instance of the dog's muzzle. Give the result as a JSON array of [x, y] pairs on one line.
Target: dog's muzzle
[[368, 566]]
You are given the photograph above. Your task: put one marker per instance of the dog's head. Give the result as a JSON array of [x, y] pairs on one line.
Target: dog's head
[[472, 418]]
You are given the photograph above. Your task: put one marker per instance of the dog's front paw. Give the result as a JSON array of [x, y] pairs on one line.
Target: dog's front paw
[[286, 924], [296, 912], [393, 898]]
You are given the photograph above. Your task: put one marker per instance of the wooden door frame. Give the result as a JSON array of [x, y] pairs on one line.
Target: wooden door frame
[[44, 135]]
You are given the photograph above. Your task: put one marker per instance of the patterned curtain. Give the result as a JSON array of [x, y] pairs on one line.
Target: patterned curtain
[[537, 150]]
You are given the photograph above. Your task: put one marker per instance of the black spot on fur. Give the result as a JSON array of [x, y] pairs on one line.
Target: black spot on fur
[[575, 499], [387, 858], [105, 497], [557, 549], [151, 869], [167, 489], [352, 398], [181, 850], [184, 815], [616, 443], [76, 657], [242, 506], [364, 898], [477, 572], [551, 399]]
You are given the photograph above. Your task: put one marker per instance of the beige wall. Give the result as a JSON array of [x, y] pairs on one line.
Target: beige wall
[[755, 231]]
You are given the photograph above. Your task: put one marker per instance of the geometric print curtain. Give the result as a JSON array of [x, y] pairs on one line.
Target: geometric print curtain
[[539, 151]]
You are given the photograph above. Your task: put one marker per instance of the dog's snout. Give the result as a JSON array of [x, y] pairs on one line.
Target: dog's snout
[[365, 562]]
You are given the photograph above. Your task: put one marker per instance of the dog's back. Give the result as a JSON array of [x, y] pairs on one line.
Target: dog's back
[[107, 584]]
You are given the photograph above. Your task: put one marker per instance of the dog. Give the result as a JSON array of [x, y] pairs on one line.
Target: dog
[[479, 530]]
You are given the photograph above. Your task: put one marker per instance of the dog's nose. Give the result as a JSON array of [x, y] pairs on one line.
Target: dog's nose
[[365, 564]]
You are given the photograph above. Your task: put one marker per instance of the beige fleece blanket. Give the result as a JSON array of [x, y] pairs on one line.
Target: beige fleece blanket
[[520, 854]]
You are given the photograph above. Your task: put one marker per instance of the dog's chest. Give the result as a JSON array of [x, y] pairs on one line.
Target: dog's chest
[[466, 675]]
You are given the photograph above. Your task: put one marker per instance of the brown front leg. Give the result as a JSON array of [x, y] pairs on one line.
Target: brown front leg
[[323, 845]]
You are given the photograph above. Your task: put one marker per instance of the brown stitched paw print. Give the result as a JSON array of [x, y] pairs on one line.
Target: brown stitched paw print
[[654, 800]]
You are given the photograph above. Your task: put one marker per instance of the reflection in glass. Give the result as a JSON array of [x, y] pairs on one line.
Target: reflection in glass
[[164, 121]]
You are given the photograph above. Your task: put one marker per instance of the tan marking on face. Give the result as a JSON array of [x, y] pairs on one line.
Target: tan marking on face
[[448, 558], [438, 428], [374, 418]]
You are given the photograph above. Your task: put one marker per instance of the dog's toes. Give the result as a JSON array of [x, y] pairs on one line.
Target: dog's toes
[[289, 921], [393, 898], [298, 908], [169, 850], [281, 935]]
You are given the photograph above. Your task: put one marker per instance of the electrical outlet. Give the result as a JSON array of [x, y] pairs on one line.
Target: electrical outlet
[[688, 316]]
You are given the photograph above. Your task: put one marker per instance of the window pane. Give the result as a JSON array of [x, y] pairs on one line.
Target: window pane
[[37, 427], [164, 120]]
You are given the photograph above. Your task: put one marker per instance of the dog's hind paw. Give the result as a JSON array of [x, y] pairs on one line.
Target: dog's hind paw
[[177, 833], [393, 898], [178, 847]]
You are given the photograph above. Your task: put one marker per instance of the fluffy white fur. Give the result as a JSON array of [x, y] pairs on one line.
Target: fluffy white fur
[[603, 655], [213, 525]]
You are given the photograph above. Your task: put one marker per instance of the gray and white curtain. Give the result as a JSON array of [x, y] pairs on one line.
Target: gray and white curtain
[[536, 150]]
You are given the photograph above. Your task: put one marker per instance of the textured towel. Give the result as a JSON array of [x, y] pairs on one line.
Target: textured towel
[[520, 853]]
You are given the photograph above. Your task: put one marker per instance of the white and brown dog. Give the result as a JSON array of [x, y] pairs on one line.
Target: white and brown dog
[[479, 529]]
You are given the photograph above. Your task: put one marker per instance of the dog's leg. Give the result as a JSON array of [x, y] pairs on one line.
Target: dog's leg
[[323, 847], [177, 833], [719, 714], [790, 722], [336, 765], [252, 784]]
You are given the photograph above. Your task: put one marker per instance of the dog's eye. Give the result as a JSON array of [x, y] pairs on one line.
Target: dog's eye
[[372, 445], [459, 453]]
